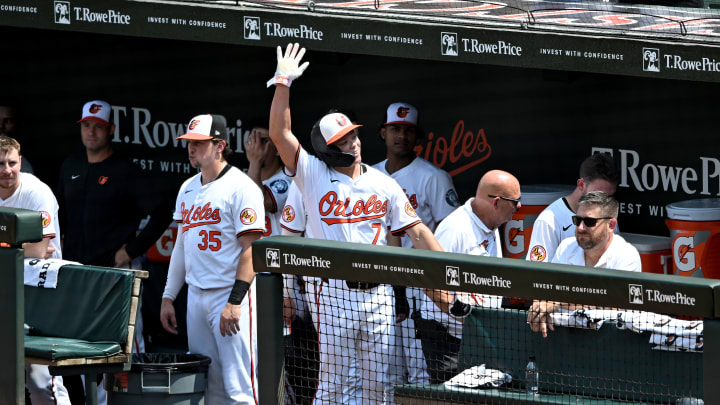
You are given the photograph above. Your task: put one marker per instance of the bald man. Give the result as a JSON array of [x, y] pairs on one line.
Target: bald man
[[471, 229]]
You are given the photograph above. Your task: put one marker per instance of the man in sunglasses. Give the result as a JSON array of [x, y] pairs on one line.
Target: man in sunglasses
[[471, 229], [594, 245], [597, 173]]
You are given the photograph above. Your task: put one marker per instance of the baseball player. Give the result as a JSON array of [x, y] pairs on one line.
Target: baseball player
[[266, 170], [346, 200], [471, 229], [431, 192], [24, 190], [597, 173], [219, 213]]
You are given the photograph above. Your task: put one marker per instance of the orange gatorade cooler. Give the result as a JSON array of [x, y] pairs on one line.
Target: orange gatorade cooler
[[535, 197], [655, 252], [695, 230]]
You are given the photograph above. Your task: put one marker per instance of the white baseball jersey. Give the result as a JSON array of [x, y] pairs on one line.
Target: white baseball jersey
[[33, 194], [552, 226], [353, 210], [293, 216], [211, 217], [277, 186], [429, 189], [463, 232], [620, 255]]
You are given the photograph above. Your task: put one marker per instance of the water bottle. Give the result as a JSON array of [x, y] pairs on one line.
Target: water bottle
[[531, 377]]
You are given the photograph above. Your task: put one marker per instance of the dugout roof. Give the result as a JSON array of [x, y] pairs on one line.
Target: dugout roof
[[601, 37]]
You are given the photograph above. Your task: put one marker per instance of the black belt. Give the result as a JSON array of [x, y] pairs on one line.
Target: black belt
[[357, 285]]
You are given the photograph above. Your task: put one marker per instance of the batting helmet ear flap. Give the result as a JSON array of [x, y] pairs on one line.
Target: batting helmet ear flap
[[329, 154]]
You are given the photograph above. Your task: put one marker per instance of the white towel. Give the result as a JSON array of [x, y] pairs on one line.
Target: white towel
[[640, 321], [43, 273], [676, 343], [584, 318], [479, 377]]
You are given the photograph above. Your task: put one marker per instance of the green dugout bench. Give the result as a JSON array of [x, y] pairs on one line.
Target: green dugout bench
[[86, 325], [607, 366]]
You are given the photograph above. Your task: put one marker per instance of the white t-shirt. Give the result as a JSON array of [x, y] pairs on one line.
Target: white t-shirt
[[211, 218], [620, 255], [463, 232], [33, 194], [552, 226], [429, 189], [278, 186]]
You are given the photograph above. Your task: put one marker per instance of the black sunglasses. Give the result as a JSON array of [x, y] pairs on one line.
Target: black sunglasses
[[589, 221], [512, 200]]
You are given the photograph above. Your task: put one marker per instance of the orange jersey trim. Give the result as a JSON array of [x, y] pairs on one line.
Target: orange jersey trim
[[248, 231], [401, 230]]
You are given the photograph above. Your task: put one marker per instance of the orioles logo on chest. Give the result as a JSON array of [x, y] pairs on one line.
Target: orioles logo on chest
[[346, 212], [199, 216]]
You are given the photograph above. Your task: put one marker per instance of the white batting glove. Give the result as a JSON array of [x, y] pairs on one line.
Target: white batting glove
[[288, 66]]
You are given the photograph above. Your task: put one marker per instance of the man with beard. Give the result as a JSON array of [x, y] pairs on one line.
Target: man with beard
[[595, 245]]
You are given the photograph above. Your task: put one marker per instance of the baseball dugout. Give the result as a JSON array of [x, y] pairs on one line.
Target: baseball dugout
[[606, 350]]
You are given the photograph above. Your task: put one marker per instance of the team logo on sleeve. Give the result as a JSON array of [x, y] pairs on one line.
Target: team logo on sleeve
[[451, 198], [279, 186], [46, 219], [410, 210], [248, 216], [537, 253], [288, 213], [485, 244]]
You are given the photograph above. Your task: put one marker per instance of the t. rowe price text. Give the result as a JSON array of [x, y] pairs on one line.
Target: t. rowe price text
[[703, 65], [492, 281], [108, 17], [677, 298], [649, 176], [302, 31], [499, 48], [312, 261]]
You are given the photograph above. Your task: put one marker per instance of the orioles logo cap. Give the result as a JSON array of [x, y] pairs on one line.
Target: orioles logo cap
[[96, 110], [206, 127], [334, 126], [401, 113]]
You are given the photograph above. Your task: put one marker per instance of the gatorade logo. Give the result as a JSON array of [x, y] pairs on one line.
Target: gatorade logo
[[514, 238], [402, 112], [193, 124], [684, 253], [95, 108]]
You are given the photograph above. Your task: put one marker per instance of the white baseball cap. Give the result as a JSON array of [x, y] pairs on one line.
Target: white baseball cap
[[96, 110], [206, 127], [401, 113], [334, 126]]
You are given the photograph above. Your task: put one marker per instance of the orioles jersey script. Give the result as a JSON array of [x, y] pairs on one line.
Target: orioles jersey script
[[351, 210], [429, 189], [277, 186], [210, 219]]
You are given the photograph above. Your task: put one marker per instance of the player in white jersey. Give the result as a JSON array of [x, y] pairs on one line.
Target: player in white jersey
[[266, 170], [24, 190], [346, 201], [471, 229], [219, 213], [597, 173], [594, 245], [431, 193]]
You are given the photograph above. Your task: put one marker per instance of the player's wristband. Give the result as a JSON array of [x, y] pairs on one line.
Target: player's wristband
[[238, 292], [460, 309], [279, 79]]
